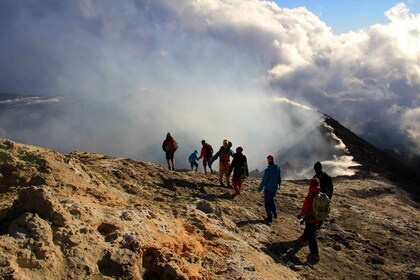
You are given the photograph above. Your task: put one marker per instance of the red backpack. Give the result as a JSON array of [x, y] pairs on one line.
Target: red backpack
[[172, 145]]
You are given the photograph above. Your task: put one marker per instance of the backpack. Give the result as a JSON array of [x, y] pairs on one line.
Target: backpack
[[321, 206], [242, 167], [326, 184], [209, 150], [172, 145]]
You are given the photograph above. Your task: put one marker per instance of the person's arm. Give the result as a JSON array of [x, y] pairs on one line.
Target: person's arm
[[214, 158], [263, 181], [306, 207]]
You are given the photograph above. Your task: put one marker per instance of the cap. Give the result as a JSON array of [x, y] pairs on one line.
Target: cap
[[317, 166]]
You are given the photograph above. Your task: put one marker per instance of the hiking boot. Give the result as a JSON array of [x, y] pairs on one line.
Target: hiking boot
[[302, 242], [222, 185], [268, 220], [275, 216], [313, 257]]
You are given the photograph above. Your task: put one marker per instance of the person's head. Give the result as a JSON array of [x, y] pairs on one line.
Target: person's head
[[203, 142], [239, 150], [168, 135], [270, 159], [225, 143], [195, 152], [314, 182], [317, 166]]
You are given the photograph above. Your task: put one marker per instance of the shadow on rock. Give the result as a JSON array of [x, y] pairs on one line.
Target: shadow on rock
[[285, 252], [250, 222]]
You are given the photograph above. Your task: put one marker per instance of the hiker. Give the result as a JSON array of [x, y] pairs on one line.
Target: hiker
[[240, 170], [193, 158], [206, 154], [271, 183], [324, 180], [224, 163], [170, 146], [310, 221]]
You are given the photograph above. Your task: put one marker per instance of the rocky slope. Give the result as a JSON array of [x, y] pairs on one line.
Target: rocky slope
[[90, 216]]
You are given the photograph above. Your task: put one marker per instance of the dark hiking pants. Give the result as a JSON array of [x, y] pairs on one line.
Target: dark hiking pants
[[270, 205], [309, 235]]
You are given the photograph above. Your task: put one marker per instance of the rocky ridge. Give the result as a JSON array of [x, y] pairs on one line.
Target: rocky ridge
[[91, 216]]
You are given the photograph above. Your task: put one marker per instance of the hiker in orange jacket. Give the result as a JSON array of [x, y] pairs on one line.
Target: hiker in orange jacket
[[310, 221], [224, 163]]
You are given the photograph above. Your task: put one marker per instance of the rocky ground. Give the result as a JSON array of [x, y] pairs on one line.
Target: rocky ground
[[90, 216]]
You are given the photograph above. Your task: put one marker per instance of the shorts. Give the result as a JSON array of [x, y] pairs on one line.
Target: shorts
[[170, 155], [206, 161]]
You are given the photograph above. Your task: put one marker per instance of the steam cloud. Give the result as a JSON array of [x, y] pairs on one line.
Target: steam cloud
[[208, 70]]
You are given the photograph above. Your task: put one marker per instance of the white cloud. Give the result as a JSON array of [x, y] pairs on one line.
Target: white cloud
[[207, 67], [411, 123]]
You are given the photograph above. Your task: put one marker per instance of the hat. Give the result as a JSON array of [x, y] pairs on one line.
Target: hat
[[317, 166], [313, 182], [239, 150], [270, 158]]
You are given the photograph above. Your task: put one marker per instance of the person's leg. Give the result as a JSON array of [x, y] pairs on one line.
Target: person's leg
[[267, 204], [196, 166], [240, 185], [227, 177], [205, 165], [236, 184], [273, 206], [221, 172], [173, 163], [313, 246], [167, 156]]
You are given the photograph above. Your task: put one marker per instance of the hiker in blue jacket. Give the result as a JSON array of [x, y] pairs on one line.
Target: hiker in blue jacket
[[193, 159], [270, 182]]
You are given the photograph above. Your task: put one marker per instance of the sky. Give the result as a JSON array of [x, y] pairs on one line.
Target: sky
[[345, 16], [212, 69]]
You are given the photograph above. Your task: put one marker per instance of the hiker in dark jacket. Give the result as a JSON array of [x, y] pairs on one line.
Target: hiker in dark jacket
[[270, 182], [310, 221], [325, 180], [169, 145], [206, 154], [240, 170]]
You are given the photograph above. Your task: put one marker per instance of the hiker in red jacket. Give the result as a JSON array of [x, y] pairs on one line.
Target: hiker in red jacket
[[310, 222], [206, 154], [169, 145]]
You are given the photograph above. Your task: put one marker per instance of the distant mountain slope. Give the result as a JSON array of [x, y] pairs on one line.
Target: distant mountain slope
[[375, 161]]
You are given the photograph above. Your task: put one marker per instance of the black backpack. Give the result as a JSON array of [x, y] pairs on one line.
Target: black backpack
[[326, 183], [209, 150]]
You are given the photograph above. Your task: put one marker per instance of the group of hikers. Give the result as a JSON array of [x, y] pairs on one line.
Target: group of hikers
[[315, 207]]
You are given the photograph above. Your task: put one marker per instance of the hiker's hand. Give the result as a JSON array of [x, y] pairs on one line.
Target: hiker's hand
[[299, 217]]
